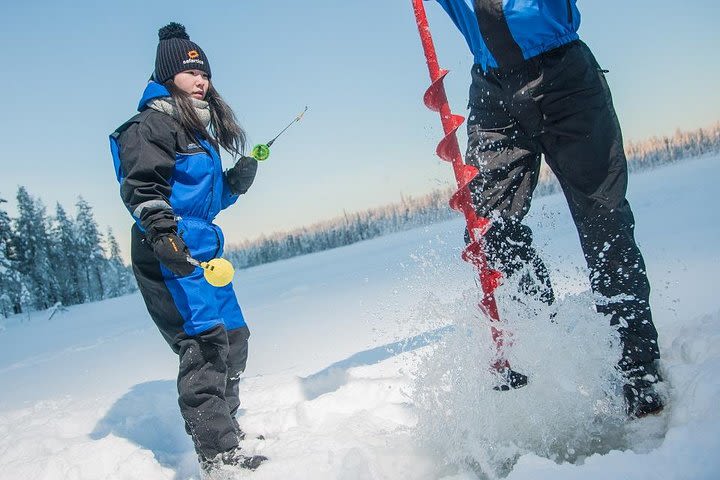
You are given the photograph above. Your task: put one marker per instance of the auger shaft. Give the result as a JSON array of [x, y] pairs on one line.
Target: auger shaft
[[448, 149]]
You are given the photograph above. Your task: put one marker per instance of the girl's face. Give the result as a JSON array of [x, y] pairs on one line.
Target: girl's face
[[193, 82]]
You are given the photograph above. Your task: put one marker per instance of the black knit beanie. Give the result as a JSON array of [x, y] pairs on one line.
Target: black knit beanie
[[176, 53]]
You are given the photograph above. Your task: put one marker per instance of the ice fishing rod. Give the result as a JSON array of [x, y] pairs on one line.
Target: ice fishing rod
[[448, 149], [219, 272], [262, 151]]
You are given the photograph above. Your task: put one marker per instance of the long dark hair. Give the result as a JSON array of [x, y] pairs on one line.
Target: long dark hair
[[224, 129]]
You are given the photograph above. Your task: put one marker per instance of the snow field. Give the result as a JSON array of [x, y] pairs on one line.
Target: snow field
[[369, 362]]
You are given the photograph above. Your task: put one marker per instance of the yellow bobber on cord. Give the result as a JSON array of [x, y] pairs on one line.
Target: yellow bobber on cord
[[218, 272]]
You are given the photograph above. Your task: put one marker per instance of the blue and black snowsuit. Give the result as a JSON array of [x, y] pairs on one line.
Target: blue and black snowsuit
[[173, 181], [538, 90]]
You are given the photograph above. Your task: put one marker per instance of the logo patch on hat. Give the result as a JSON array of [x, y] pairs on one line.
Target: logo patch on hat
[[193, 57]]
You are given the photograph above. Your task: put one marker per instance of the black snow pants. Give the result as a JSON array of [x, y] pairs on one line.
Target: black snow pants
[[210, 363], [558, 104]]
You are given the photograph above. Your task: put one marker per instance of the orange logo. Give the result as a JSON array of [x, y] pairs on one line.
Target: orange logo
[[193, 54]]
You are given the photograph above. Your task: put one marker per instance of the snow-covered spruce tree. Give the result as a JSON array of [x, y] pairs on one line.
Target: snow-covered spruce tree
[[89, 251], [9, 279], [111, 281], [31, 253], [65, 245], [119, 279]]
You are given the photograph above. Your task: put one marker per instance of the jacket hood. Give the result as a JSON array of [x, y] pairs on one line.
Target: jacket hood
[[152, 90]]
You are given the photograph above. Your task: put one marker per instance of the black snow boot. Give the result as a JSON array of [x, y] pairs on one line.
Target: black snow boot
[[231, 458], [641, 394]]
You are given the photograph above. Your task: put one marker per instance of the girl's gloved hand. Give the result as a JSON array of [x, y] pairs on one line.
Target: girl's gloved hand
[[173, 253], [241, 176]]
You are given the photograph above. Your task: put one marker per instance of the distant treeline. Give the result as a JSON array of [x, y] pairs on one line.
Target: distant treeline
[[653, 152], [350, 228], [48, 261], [433, 207]]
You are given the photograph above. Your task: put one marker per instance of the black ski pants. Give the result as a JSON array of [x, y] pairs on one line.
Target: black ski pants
[[558, 104], [210, 363]]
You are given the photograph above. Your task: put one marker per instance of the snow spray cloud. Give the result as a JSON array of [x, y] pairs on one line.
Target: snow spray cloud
[[570, 409]]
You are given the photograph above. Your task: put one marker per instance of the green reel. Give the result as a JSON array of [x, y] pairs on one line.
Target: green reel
[[260, 152]]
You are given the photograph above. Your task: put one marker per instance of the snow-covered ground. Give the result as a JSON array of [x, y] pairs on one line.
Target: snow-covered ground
[[370, 362]]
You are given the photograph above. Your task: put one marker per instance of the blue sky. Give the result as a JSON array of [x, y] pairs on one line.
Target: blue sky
[[74, 71]]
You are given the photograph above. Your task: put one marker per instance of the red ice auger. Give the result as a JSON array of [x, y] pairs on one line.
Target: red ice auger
[[436, 100]]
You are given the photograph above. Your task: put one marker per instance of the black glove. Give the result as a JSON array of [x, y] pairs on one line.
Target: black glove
[[173, 253], [242, 175]]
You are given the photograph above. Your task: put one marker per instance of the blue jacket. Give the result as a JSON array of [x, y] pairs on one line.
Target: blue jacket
[[171, 181], [503, 33], [160, 167]]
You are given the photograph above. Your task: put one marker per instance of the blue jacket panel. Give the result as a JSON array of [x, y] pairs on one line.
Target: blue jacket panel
[[201, 305], [535, 26]]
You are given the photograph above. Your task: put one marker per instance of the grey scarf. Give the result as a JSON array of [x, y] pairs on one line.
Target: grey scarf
[[167, 105]]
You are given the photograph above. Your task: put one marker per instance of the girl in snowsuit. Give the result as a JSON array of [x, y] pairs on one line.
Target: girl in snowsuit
[[171, 180], [537, 89]]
